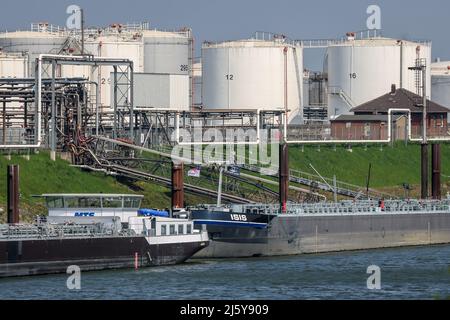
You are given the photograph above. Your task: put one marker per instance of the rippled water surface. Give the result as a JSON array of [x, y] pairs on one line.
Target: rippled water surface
[[407, 273]]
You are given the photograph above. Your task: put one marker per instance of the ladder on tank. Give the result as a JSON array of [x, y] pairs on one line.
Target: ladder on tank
[[341, 93], [419, 80]]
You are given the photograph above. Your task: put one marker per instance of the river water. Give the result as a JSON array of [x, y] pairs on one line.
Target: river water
[[405, 273]]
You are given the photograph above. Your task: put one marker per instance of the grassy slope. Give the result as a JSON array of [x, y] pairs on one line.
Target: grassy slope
[[390, 167], [41, 175]]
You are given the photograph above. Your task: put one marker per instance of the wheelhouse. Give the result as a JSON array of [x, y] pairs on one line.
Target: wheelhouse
[[93, 205]]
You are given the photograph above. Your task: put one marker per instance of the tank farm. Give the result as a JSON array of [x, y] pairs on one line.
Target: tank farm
[[135, 102]]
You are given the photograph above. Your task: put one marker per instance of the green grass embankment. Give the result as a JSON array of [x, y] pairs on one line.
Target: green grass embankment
[[41, 175], [391, 165]]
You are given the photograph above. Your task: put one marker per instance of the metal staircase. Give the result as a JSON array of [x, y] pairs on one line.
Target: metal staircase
[[335, 90]]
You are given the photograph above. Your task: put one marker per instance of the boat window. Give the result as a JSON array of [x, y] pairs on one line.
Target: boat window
[[163, 229], [131, 202], [71, 202], [180, 229], [112, 202], [172, 229], [55, 202], [89, 202], [189, 229]]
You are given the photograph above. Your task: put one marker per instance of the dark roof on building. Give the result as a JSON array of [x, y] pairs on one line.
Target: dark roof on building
[[365, 117], [401, 98]]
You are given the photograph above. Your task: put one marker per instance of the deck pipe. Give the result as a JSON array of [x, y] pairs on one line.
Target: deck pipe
[[424, 171], [177, 185], [436, 171], [13, 194], [283, 176]]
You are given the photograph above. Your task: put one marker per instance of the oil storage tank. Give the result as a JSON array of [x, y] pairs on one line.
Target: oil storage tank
[[116, 41], [152, 52], [440, 83], [360, 70], [43, 38], [170, 52], [13, 65], [252, 74], [167, 51]]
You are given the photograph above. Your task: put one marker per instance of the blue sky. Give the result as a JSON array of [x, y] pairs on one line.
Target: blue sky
[[234, 19]]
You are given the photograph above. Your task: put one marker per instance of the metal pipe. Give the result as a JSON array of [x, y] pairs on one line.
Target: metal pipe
[[77, 60], [424, 171], [115, 118], [436, 171], [53, 134], [13, 194], [219, 190], [82, 31], [389, 137], [424, 113], [132, 102], [284, 176], [285, 50], [401, 64], [4, 123], [177, 185], [200, 143], [274, 183]]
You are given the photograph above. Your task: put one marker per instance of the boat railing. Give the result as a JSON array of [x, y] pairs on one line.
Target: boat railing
[[344, 207], [54, 231]]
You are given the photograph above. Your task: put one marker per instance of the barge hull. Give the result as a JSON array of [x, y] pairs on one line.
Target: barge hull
[[291, 235], [45, 256]]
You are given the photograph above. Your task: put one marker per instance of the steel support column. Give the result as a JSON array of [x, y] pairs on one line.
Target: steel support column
[[424, 170], [13, 194], [177, 185], [283, 176], [436, 171]]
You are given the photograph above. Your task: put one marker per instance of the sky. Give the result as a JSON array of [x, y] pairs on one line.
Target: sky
[[214, 20]]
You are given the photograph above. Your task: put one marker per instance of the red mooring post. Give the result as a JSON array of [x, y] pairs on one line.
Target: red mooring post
[[177, 185], [13, 194], [283, 176], [424, 170], [436, 171]]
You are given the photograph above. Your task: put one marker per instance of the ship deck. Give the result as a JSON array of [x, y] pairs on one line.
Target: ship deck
[[368, 207]]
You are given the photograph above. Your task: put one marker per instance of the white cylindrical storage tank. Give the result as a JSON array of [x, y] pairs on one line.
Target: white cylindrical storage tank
[[362, 70], [440, 83], [111, 46], [42, 39], [167, 52], [197, 83], [13, 65], [250, 74]]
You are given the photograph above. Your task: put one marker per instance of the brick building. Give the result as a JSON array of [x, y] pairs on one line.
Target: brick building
[[370, 120]]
